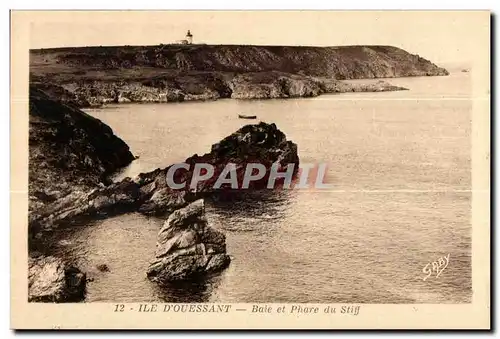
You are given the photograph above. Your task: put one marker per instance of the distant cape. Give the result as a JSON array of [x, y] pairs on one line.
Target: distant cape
[[93, 76]]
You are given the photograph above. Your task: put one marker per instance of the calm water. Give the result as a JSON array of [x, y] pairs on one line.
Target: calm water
[[400, 166]]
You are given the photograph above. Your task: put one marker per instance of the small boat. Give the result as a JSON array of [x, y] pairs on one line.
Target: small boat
[[241, 116]]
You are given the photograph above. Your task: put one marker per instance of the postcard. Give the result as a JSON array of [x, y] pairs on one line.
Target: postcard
[[250, 169]]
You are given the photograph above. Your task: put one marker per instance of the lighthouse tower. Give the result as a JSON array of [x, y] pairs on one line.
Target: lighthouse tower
[[189, 37]]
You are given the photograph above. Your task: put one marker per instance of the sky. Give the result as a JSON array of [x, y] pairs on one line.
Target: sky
[[443, 37]]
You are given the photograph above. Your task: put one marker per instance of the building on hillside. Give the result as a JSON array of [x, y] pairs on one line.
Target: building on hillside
[[187, 41], [189, 37]]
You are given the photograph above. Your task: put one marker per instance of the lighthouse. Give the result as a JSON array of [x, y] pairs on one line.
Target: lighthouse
[[189, 37]]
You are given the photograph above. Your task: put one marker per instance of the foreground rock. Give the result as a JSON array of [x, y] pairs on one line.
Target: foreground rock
[[187, 247], [50, 279], [79, 205], [260, 143]]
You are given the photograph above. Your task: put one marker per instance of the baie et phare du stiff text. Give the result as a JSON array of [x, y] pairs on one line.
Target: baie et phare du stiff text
[[297, 309]]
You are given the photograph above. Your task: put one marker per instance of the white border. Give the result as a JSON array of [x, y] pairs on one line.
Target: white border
[[190, 4]]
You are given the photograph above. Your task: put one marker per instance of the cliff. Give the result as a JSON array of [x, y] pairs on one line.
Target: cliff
[[70, 152], [187, 247], [344, 62], [166, 73], [260, 143]]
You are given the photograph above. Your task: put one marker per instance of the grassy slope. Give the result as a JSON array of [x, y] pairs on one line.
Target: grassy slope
[[347, 62]]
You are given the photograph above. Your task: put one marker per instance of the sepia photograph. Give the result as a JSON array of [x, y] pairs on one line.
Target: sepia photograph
[[193, 160]]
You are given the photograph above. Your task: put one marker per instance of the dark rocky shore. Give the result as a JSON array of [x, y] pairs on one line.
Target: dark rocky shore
[[51, 279], [70, 154], [92, 76]]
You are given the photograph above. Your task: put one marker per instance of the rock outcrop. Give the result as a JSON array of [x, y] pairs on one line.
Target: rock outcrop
[[50, 279], [340, 62], [75, 207], [171, 73], [272, 85], [71, 154], [276, 85], [261, 143], [187, 247]]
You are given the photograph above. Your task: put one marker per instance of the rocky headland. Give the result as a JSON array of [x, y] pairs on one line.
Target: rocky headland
[[93, 76], [72, 155]]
